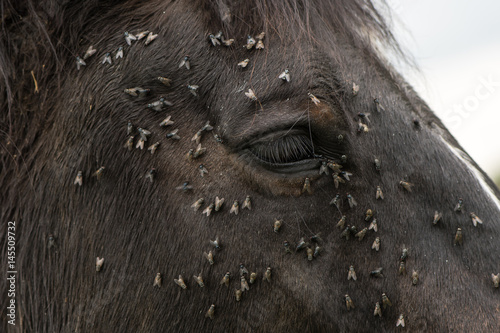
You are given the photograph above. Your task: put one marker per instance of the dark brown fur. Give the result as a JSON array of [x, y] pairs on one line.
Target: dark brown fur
[[77, 121]]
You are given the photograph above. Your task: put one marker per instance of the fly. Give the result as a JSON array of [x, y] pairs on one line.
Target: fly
[[378, 310], [407, 186], [164, 81], [180, 282], [247, 203], [197, 204], [475, 219], [80, 62], [144, 133], [277, 225], [184, 187], [98, 174], [307, 186], [250, 42], [360, 235], [153, 147], [214, 40], [355, 89], [243, 270], [78, 179], [323, 169], [199, 280], [401, 321], [385, 301], [348, 302], [129, 37], [166, 122], [218, 203], [140, 144], [317, 251], [459, 206], [437, 217], [267, 275], [208, 210], [225, 279], [237, 294], [244, 63], [209, 256], [378, 107], [458, 237], [313, 98], [235, 208], [244, 283], [142, 34], [52, 242], [185, 62], [310, 254], [286, 245], [107, 58], [402, 268], [414, 278], [250, 94], [335, 201], [380, 194], [119, 53], [377, 272], [211, 311], [337, 180], [346, 174], [199, 151], [151, 37], [215, 243], [159, 104], [151, 174], [98, 264], [341, 222], [351, 201], [285, 76], [203, 170], [90, 51], [301, 245], [157, 281], [495, 279], [368, 215], [193, 89], [373, 225], [173, 135], [130, 143], [351, 274]]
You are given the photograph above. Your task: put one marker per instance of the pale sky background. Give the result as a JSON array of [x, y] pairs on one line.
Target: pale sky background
[[456, 44]]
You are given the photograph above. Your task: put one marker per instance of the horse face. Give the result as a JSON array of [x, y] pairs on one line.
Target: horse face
[[305, 169]]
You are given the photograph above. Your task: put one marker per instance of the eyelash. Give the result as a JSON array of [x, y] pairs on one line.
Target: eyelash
[[288, 149]]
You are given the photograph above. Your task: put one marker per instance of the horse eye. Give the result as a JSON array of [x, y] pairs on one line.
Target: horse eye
[[283, 150]]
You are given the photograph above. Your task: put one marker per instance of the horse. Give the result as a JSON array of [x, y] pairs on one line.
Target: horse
[[194, 166]]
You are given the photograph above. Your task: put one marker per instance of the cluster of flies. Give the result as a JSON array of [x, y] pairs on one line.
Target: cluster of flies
[[251, 43], [312, 248], [338, 175], [378, 309], [217, 205], [243, 272], [459, 208], [150, 36]]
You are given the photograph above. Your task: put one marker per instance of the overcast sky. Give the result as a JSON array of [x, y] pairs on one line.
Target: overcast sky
[[457, 46]]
